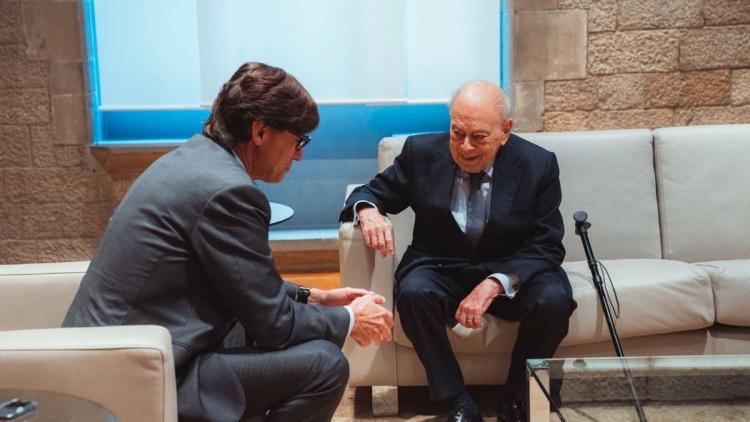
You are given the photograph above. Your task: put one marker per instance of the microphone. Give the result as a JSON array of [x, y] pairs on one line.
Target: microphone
[[582, 227], [581, 224]]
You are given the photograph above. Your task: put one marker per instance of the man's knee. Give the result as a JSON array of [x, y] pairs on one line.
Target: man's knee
[[413, 289], [330, 363], [554, 303]]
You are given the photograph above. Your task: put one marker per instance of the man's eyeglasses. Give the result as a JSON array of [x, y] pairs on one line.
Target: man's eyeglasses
[[302, 141]]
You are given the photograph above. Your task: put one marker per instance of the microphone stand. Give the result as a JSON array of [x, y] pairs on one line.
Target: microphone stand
[[582, 227]]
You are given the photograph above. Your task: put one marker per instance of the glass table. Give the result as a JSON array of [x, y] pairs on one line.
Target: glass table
[[667, 388], [55, 407], [280, 213]]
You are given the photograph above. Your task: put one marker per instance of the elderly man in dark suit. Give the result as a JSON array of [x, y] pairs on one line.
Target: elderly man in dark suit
[[487, 239], [187, 248]]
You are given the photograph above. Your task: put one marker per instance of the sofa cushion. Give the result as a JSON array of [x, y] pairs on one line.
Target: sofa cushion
[[609, 174], [703, 179], [731, 285], [27, 288], [656, 296]]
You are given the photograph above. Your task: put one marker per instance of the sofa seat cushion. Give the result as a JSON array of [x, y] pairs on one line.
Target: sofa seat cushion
[[656, 296], [731, 285]]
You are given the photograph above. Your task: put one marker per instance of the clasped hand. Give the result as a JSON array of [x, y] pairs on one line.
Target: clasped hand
[[372, 322]]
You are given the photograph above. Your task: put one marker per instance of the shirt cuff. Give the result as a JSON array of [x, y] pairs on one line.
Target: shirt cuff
[[508, 285], [351, 319], [355, 221]]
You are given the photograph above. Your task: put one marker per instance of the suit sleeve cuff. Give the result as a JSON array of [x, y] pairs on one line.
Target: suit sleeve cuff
[[508, 285], [351, 319], [355, 210]]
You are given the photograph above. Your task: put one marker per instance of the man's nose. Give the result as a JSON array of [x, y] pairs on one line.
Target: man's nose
[[298, 155], [466, 143]]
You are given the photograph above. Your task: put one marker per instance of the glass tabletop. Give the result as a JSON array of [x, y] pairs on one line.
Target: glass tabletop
[[664, 388], [43, 406]]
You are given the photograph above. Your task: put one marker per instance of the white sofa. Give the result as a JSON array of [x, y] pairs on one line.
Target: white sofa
[[128, 370], [670, 215]]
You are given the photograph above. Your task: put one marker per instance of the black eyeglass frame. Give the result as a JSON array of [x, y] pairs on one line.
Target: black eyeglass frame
[[302, 141]]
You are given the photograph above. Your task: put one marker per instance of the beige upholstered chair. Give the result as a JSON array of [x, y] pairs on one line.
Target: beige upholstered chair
[[127, 369]]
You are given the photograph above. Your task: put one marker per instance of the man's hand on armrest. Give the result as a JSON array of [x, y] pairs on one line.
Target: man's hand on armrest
[[372, 322], [376, 229]]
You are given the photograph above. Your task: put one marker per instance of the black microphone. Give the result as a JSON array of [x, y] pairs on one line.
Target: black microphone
[[581, 224], [582, 227]]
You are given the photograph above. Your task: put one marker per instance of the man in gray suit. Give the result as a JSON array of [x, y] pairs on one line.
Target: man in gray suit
[[187, 249]]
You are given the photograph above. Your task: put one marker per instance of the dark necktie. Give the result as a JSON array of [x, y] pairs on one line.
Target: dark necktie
[[476, 209]]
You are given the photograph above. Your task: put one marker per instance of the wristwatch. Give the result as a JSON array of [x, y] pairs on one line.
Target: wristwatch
[[303, 293]]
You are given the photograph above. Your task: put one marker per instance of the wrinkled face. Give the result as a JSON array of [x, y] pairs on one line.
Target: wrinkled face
[[270, 153], [476, 134]]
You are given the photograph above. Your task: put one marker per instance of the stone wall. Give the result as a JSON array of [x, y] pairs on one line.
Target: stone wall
[[610, 64], [577, 64], [54, 197]]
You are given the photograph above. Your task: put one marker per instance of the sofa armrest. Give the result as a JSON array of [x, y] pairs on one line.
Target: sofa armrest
[[127, 369], [362, 267]]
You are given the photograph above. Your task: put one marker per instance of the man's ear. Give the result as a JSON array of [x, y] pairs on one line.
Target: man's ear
[[257, 130]]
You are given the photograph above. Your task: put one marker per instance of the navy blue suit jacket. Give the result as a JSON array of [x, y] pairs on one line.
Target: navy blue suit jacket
[[524, 233]]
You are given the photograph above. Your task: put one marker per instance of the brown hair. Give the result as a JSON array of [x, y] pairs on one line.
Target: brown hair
[[259, 92]]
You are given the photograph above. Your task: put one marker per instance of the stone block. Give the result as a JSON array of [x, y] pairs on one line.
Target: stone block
[[630, 119], [602, 14], [549, 45], [705, 88], [618, 92], [526, 5], [559, 121], [650, 14], [579, 94], [15, 147], [70, 119], [712, 115], [61, 250], [16, 71], [634, 52], [53, 30], [715, 48], [67, 78], [24, 106], [53, 185], [18, 251], [663, 90], [741, 87], [726, 12], [688, 89], [528, 106], [11, 27]]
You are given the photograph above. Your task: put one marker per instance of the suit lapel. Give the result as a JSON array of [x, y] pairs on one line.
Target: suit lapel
[[506, 178], [443, 172]]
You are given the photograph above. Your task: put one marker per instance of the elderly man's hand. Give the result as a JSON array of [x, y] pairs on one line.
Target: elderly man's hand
[[376, 230], [336, 297], [471, 309], [372, 322]]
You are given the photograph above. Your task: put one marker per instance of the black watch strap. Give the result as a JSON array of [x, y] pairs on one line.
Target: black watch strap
[[303, 293]]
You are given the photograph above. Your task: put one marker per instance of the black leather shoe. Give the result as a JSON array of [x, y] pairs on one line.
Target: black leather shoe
[[464, 415], [511, 411]]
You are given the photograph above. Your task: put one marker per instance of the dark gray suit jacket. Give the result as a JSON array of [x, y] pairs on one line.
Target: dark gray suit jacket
[[187, 249]]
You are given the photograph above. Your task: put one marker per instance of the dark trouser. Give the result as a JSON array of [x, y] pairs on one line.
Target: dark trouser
[[301, 383], [427, 299]]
